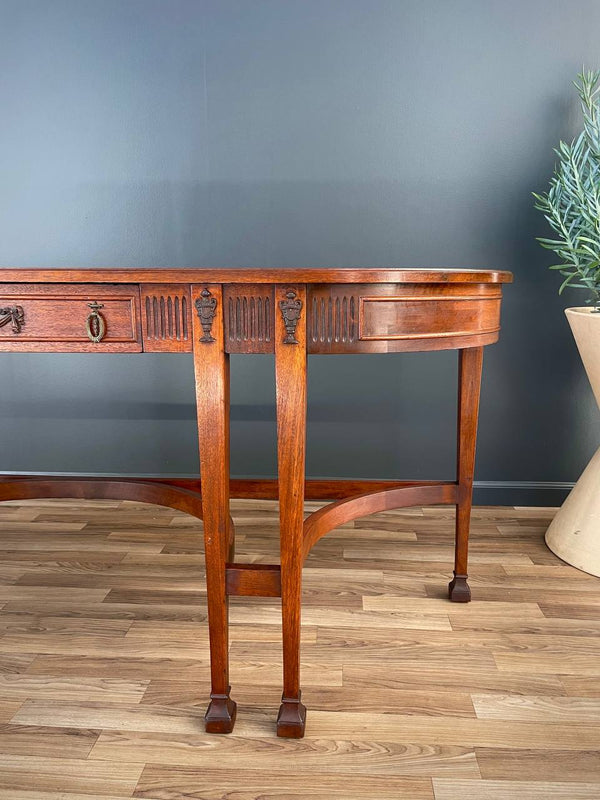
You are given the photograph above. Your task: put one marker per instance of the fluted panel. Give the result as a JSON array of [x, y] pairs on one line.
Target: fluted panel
[[249, 319], [166, 323], [333, 319]]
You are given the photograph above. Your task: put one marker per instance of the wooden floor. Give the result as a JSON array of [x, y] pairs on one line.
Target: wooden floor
[[104, 661]]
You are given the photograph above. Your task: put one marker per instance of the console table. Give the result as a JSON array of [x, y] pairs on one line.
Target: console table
[[292, 313]]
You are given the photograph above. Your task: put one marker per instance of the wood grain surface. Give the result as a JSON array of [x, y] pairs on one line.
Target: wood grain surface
[[256, 275], [105, 669]]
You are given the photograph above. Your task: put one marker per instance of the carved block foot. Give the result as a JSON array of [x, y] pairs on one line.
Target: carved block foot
[[458, 589], [220, 715], [291, 719]]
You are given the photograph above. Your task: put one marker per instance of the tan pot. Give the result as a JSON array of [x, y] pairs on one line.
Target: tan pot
[[574, 534]]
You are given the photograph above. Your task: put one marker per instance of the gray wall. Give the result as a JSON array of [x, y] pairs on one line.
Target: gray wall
[[295, 133]]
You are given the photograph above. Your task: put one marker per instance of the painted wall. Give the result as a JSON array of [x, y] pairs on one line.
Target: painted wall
[[295, 133]]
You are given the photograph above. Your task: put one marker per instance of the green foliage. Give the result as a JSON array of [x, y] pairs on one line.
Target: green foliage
[[572, 203]]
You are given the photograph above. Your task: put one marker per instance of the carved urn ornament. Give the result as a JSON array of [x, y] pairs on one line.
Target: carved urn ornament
[[206, 306], [290, 308]]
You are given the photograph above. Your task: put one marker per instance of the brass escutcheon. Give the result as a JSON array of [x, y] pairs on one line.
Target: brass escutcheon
[[13, 314]]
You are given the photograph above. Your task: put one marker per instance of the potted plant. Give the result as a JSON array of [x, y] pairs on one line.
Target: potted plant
[[572, 208]]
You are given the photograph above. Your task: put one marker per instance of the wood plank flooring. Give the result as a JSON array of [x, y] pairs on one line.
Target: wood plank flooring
[[104, 661]]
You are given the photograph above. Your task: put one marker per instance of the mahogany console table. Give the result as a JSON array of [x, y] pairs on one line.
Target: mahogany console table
[[291, 313]]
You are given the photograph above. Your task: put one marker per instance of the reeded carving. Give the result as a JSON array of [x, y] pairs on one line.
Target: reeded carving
[[249, 319], [167, 317], [206, 306], [13, 314], [290, 308], [333, 319]]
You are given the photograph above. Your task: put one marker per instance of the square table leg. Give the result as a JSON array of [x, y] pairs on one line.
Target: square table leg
[[470, 361], [290, 382], [211, 367]]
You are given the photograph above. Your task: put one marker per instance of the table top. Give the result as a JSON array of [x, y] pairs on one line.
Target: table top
[[253, 275]]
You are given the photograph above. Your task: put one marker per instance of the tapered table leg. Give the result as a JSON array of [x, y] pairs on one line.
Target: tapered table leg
[[290, 378], [211, 366], [469, 385]]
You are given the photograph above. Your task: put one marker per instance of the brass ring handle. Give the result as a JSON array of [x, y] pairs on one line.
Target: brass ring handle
[[95, 323], [13, 314]]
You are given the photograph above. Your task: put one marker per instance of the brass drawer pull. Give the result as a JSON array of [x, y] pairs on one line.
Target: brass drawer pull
[[13, 314], [95, 323]]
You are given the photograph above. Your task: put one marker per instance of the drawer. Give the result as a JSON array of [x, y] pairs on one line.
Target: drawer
[[406, 317], [70, 318]]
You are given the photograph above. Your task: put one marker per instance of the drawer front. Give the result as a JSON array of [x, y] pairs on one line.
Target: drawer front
[[70, 318], [386, 318], [403, 317]]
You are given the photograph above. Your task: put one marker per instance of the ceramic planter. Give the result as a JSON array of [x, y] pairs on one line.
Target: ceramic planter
[[574, 534]]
